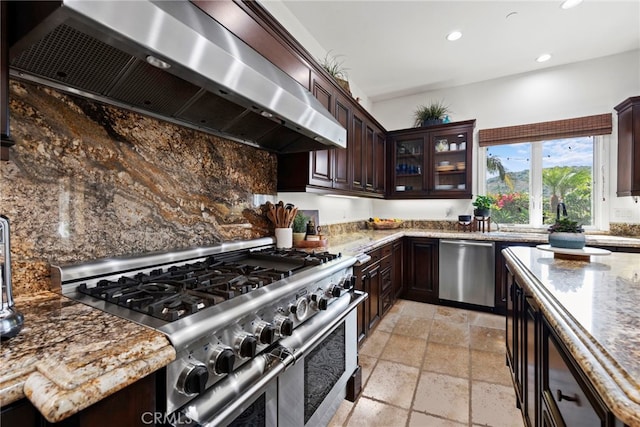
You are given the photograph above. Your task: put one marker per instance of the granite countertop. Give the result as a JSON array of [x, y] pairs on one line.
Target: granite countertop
[[69, 356], [366, 240], [593, 306]]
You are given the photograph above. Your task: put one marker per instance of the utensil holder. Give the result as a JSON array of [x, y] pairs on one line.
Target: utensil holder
[[284, 238]]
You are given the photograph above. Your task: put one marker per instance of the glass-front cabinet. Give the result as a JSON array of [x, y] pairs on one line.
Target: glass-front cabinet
[[431, 162]]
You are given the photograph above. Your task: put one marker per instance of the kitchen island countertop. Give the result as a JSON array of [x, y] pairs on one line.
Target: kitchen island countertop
[[69, 356], [593, 307]]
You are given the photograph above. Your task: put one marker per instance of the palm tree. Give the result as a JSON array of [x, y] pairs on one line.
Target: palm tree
[[494, 165], [562, 181]]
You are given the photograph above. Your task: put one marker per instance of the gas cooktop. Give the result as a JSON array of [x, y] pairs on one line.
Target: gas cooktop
[[177, 291]]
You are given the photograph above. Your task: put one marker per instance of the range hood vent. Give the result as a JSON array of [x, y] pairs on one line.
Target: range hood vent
[[215, 82]]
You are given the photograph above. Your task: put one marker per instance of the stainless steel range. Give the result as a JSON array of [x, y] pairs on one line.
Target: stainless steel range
[[258, 332]]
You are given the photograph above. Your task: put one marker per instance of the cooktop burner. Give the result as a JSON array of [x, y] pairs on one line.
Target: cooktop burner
[[177, 291]]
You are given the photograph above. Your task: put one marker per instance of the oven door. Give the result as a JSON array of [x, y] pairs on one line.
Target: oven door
[[311, 390]]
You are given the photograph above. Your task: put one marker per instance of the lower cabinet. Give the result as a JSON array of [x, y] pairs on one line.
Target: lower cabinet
[[421, 270], [569, 398], [380, 278], [368, 280], [550, 388], [132, 406]]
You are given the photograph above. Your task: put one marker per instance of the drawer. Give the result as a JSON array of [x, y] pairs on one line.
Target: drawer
[[375, 256], [566, 394], [386, 251], [385, 262]]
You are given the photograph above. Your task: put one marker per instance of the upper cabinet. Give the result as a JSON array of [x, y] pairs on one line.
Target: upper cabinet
[[629, 147], [431, 162], [357, 170]]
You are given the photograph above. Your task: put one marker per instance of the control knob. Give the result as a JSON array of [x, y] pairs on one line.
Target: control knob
[[336, 291], [284, 326], [222, 360], [193, 379], [266, 332], [349, 282], [321, 302], [246, 345]]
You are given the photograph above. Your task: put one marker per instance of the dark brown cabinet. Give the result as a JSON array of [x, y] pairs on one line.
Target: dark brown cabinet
[[379, 277], [352, 170], [421, 270], [551, 389], [368, 280], [569, 398], [502, 286], [397, 267], [522, 342], [431, 162], [629, 147]]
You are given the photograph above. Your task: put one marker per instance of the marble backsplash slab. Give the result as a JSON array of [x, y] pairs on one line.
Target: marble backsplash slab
[[87, 181]]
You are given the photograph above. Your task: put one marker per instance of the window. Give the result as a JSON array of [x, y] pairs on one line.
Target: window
[[528, 181], [531, 168]]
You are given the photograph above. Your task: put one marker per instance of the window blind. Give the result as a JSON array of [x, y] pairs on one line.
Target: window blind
[[600, 124]]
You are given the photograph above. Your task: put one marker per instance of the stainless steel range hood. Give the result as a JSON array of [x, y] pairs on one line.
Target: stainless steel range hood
[[215, 82]]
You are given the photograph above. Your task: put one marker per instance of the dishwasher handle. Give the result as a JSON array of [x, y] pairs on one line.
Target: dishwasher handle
[[467, 243]]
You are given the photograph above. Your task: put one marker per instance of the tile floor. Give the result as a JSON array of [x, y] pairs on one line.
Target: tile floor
[[426, 365]]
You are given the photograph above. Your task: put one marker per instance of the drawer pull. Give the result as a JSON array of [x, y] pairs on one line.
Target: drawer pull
[[562, 397]]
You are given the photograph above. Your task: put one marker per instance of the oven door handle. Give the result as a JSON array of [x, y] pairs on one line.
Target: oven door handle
[[224, 402]]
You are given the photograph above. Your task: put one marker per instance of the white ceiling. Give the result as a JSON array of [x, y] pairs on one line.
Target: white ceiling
[[396, 48]]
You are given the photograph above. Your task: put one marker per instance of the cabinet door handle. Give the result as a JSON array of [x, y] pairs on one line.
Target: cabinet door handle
[[562, 397]]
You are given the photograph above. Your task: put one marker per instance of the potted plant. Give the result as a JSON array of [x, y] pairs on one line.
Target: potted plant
[[334, 67], [567, 234], [299, 227], [431, 114], [483, 206]]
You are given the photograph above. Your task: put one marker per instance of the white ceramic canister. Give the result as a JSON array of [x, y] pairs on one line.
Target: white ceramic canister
[[284, 238]]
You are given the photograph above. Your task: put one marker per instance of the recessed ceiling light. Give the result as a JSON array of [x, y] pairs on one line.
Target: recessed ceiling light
[[543, 58], [454, 35], [159, 63], [568, 4]]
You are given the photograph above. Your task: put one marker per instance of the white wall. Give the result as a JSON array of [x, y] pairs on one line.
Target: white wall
[[300, 33], [575, 90]]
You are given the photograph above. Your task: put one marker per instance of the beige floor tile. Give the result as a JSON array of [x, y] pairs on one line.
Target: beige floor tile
[[418, 309], [367, 363], [494, 405], [488, 320], [447, 359], [369, 413], [340, 417], [451, 314], [489, 367], [417, 327], [388, 322], [405, 350], [450, 333], [443, 395], [418, 419], [487, 339], [392, 383], [375, 343]]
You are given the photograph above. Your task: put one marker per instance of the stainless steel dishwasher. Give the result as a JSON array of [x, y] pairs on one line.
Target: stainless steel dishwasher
[[467, 271]]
